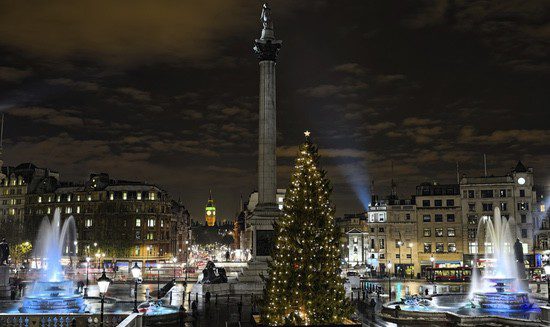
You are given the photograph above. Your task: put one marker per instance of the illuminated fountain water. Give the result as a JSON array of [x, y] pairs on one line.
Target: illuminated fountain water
[[499, 287], [52, 292]]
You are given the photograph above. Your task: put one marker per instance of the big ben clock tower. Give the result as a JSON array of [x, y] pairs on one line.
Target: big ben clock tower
[[210, 211]]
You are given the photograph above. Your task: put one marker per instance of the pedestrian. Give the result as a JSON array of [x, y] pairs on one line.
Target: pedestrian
[[207, 297], [195, 309], [426, 292], [240, 309]]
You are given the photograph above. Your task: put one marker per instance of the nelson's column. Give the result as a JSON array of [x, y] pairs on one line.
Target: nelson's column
[[266, 212]]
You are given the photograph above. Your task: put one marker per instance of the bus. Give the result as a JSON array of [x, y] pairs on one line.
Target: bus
[[457, 274]]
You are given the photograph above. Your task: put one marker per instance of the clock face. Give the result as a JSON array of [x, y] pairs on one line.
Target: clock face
[[209, 212], [521, 181]]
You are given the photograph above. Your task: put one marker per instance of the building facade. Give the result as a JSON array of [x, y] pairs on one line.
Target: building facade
[[113, 218]]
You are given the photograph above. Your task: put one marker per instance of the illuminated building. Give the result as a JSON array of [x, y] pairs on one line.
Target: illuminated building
[[210, 211]]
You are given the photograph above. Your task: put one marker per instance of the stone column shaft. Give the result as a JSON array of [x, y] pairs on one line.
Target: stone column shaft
[[267, 163]]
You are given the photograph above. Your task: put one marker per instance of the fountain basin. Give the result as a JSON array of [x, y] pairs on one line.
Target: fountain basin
[[503, 301], [58, 297]]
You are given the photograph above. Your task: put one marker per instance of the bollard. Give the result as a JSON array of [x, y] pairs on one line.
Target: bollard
[[189, 299], [197, 297]]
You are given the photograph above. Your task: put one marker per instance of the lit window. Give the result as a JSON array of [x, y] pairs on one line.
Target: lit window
[[138, 222], [439, 232], [89, 197], [472, 247], [280, 207], [89, 222], [39, 199], [427, 247], [150, 236], [439, 247], [139, 195], [112, 196], [78, 198], [450, 232], [151, 223], [151, 195], [280, 199], [451, 247], [542, 208], [68, 210], [49, 199], [488, 247], [77, 209], [124, 196], [162, 223], [69, 198], [427, 232], [59, 198], [11, 211]]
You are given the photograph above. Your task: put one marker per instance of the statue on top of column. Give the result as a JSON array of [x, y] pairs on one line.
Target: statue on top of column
[[265, 18]]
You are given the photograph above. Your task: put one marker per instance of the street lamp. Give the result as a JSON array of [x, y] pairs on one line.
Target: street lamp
[[432, 260], [399, 243], [136, 273], [547, 271], [87, 280], [103, 283], [411, 254], [158, 280], [186, 259], [174, 261], [389, 280]]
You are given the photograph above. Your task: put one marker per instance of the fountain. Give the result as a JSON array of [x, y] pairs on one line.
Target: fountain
[[500, 287], [51, 293]]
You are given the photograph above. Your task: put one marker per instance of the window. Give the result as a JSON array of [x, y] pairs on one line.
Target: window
[[382, 256], [136, 250], [49, 210], [451, 232], [138, 235], [438, 218], [381, 229], [471, 207], [408, 255], [427, 218], [451, 247], [450, 203], [488, 247], [472, 247], [486, 194], [381, 217], [439, 232], [68, 198], [451, 218], [372, 229], [472, 233], [89, 222], [439, 247], [39, 199], [68, 210], [503, 206], [407, 216], [59, 198], [381, 243], [112, 196], [523, 206], [487, 206], [522, 193], [151, 195], [138, 222], [372, 243], [124, 195], [427, 232], [151, 222], [524, 233], [472, 220], [397, 256], [471, 194], [502, 193], [77, 209], [78, 198], [150, 236], [425, 203], [89, 197], [438, 203], [427, 247], [523, 219], [139, 195]]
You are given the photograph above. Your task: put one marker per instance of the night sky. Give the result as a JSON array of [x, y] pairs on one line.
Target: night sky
[[167, 91]]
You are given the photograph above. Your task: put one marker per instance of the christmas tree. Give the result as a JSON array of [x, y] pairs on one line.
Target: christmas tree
[[304, 285]]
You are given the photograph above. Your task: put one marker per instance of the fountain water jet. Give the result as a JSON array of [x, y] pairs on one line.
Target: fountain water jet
[[51, 292], [500, 286]]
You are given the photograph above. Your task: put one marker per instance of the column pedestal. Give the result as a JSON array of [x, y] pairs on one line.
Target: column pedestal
[[4, 282]]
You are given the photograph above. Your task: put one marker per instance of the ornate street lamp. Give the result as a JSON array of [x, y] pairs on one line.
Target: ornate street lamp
[[411, 254], [547, 271], [87, 280], [103, 283], [174, 261], [136, 273], [158, 280], [389, 280]]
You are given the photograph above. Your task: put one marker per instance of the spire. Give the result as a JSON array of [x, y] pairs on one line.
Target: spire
[[520, 168], [210, 195]]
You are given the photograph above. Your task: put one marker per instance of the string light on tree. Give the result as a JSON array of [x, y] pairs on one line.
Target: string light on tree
[[304, 286]]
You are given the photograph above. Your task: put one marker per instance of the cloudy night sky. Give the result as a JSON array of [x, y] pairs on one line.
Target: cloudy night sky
[[167, 91]]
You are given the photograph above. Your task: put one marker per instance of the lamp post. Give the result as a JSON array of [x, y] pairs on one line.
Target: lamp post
[[432, 260], [158, 280], [174, 261], [136, 273], [389, 280], [399, 244], [103, 283], [186, 259], [547, 271], [87, 280], [411, 254]]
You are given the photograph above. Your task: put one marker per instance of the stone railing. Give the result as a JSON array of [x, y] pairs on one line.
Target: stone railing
[[61, 320]]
